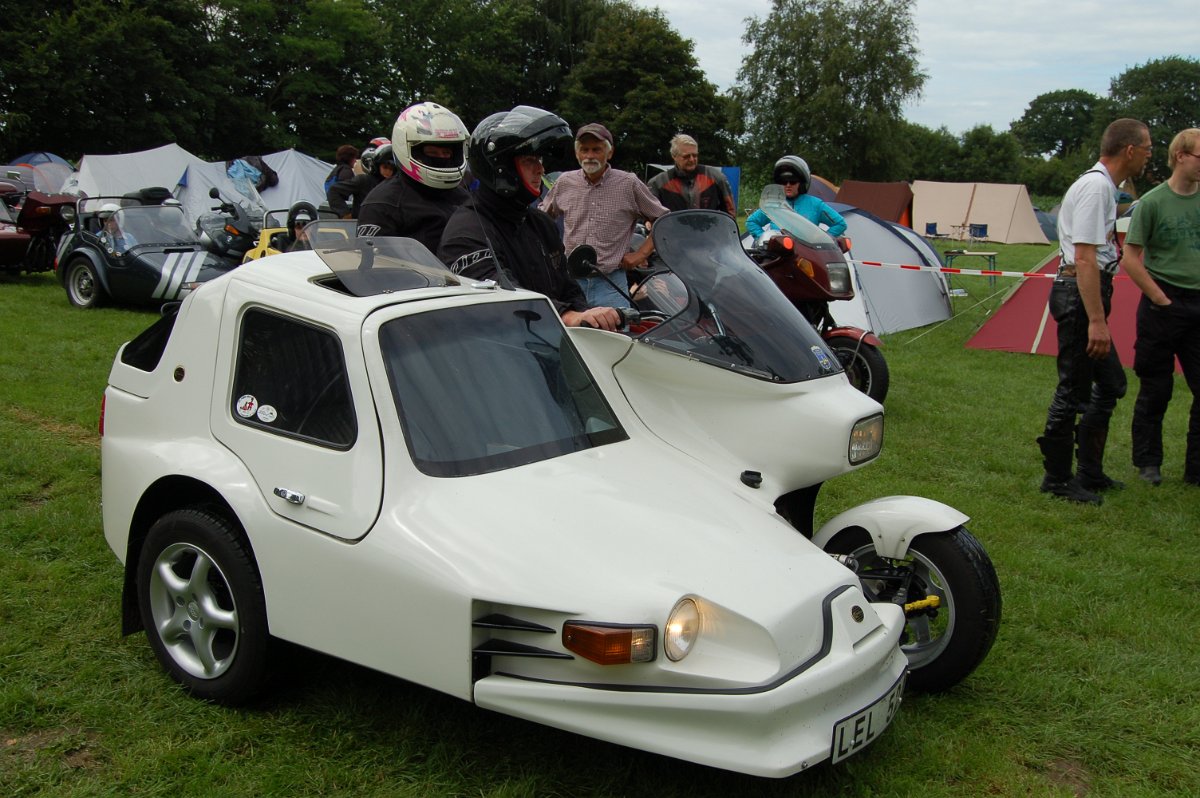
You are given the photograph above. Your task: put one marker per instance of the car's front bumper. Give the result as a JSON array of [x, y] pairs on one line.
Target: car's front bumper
[[773, 730]]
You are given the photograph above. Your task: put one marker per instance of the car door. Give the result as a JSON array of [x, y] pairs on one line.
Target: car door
[[292, 402]]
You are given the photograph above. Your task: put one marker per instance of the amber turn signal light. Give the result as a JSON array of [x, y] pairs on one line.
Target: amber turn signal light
[[610, 644]]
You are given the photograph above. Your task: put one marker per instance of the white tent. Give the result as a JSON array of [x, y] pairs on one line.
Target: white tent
[[114, 175], [189, 178], [1004, 207], [889, 300]]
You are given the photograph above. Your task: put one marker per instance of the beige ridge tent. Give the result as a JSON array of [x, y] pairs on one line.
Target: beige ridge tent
[[1004, 207]]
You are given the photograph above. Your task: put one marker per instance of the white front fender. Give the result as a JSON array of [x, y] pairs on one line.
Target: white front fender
[[893, 522]]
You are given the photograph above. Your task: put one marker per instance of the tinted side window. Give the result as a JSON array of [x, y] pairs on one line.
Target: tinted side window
[[291, 379], [146, 350]]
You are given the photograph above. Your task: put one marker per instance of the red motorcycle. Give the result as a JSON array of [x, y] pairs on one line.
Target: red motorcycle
[[30, 235], [812, 273]]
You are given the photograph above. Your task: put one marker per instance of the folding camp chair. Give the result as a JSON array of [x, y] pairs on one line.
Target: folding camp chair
[[931, 231], [977, 232]]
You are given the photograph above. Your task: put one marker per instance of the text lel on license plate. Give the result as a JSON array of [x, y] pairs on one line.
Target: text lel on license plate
[[857, 731]]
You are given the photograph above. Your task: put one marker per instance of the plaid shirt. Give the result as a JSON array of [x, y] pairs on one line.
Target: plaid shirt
[[603, 213]]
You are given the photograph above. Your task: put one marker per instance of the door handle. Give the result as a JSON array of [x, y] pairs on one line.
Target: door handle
[[290, 496]]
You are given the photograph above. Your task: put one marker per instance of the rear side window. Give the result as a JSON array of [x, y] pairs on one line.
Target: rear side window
[[291, 380], [147, 349]]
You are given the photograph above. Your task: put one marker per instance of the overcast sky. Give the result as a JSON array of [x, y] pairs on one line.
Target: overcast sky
[[985, 61]]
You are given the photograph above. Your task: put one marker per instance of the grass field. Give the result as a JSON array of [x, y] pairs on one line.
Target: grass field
[[1092, 688]]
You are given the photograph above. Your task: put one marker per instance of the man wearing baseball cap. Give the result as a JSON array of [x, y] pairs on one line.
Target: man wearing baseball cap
[[600, 206]]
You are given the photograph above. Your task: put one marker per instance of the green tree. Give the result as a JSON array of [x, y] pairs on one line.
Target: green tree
[[927, 154], [1163, 93], [1057, 123], [986, 156], [100, 76], [295, 72], [641, 80], [518, 52], [826, 80], [1051, 177]]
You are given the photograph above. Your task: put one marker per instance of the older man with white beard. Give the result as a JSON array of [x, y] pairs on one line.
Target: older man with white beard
[[600, 206]]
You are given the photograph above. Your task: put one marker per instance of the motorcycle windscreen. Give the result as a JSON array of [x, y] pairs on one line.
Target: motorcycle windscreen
[[773, 203], [734, 316]]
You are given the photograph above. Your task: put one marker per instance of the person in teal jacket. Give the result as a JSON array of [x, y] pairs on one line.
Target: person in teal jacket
[[792, 173]]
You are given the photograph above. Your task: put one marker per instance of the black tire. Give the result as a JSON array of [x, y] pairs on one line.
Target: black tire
[[201, 602], [864, 365], [945, 645], [83, 286]]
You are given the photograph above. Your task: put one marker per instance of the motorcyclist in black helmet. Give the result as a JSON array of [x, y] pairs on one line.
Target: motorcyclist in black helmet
[[378, 165], [497, 228]]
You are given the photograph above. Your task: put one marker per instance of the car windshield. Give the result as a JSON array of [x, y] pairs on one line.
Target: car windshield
[[155, 225], [490, 386], [132, 226], [724, 310]]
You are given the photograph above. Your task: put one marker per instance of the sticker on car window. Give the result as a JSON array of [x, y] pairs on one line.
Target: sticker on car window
[[267, 414], [822, 359], [247, 406]]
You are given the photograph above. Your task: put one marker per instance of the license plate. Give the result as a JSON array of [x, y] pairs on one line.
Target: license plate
[[858, 731]]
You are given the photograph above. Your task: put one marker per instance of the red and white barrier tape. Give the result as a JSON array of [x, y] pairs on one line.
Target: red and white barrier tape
[[956, 270]]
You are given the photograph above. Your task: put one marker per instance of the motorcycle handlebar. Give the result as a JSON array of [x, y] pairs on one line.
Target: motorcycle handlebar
[[628, 316]]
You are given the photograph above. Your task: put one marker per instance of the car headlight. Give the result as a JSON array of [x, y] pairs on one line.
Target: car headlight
[[866, 439], [683, 629]]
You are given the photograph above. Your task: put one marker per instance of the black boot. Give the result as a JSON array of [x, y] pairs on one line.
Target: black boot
[[1056, 458], [1090, 454]]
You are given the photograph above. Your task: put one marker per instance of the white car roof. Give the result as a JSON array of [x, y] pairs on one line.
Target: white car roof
[[305, 276]]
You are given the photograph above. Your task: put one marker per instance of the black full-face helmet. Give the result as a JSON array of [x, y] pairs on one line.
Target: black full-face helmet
[[500, 138], [792, 166], [383, 155]]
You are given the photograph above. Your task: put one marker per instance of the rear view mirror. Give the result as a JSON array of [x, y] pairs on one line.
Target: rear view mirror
[[581, 263]]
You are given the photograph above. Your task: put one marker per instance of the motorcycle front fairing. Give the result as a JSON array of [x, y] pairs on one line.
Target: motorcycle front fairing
[[812, 243], [738, 379], [734, 375]]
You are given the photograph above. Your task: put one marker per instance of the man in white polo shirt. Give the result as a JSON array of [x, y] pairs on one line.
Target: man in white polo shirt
[[1090, 376]]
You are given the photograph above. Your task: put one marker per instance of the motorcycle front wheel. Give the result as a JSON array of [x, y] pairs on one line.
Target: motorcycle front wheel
[[944, 644], [864, 365]]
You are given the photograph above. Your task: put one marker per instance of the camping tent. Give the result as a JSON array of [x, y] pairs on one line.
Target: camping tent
[[39, 158], [823, 189], [890, 201], [1024, 324], [189, 178], [889, 300], [301, 177], [1003, 207], [1048, 223], [114, 175]]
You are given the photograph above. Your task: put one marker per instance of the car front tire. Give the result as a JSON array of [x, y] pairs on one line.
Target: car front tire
[[83, 286], [201, 601]]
